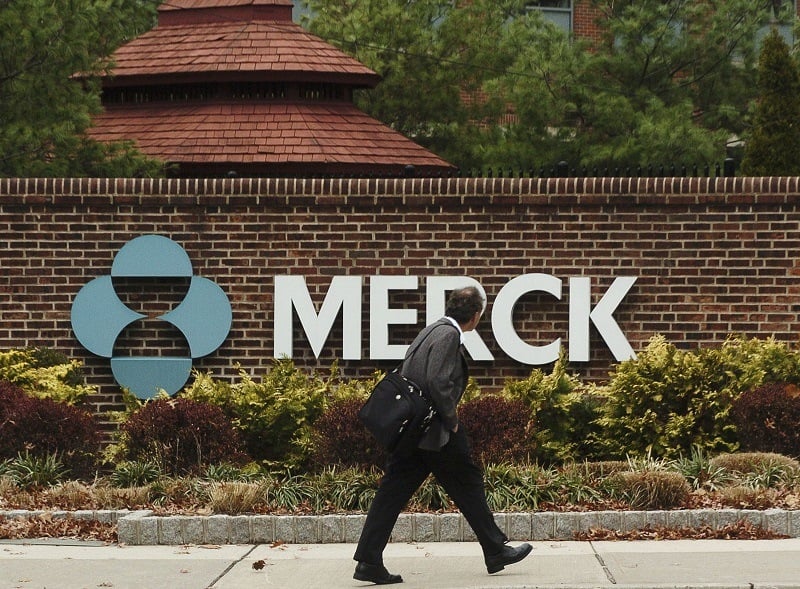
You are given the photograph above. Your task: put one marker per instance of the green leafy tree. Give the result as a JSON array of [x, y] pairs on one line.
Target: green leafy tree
[[44, 108], [492, 83], [434, 57], [773, 143], [665, 84]]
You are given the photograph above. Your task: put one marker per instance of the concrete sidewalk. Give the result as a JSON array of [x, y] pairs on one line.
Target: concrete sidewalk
[[685, 564]]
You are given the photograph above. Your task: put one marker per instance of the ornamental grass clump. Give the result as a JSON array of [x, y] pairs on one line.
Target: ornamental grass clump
[[30, 471], [746, 497], [518, 487], [701, 472], [649, 489], [108, 497], [135, 473], [71, 495], [596, 471], [760, 469], [233, 498]]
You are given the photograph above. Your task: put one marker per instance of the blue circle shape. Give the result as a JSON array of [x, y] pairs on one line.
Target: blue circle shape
[[145, 376], [151, 256]]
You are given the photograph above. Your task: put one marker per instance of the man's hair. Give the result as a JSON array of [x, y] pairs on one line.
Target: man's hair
[[462, 304]]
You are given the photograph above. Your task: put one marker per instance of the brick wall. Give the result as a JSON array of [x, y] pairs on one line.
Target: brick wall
[[712, 256], [585, 20]]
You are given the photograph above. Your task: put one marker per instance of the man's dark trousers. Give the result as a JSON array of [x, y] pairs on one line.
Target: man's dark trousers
[[461, 478]]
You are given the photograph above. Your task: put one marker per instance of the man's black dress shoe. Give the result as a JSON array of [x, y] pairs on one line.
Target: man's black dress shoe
[[497, 562], [375, 573]]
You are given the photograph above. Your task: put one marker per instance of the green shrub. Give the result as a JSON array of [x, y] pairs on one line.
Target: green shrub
[[563, 410], [274, 415], [180, 436], [44, 373], [500, 429], [44, 427], [667, 401], [767, 419]]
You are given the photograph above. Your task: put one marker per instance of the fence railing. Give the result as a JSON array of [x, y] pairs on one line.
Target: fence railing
[[726, 169], [558, 170], [563, 170]]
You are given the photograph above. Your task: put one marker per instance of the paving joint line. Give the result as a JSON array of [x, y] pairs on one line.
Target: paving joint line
[[606, 570], [230, 567]]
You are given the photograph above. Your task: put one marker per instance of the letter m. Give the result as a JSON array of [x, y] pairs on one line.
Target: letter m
[[291, 294]]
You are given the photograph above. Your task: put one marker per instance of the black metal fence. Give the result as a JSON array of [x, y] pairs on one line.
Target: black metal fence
[[726, 169], [563, 170]]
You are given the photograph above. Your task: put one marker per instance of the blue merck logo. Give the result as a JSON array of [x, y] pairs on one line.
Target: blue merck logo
[[203, 316]]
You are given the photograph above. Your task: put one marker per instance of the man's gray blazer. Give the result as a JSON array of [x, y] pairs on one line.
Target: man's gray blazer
[[435, 363]]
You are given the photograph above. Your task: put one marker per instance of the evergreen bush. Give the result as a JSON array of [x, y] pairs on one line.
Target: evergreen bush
[[772, 147], [500, 429], [667, 401], [180, 436], [43, 427], [767, 419], [44, 373], [563, 410], [338, 438], [274, 415]]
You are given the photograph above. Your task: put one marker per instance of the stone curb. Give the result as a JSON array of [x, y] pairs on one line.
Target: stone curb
[[144, 528]]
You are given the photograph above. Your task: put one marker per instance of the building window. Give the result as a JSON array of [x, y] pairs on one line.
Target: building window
[[559, 12]]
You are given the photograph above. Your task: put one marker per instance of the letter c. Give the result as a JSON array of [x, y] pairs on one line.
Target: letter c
[[503, 319]]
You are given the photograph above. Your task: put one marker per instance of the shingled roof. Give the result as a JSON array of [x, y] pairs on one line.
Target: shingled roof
[[224, 86]]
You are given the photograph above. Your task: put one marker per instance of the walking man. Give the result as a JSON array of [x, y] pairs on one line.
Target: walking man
[[435, 362]]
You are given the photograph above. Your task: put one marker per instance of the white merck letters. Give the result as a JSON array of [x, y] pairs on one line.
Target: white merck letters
[[345, 294], [503, 319], [580, 315]]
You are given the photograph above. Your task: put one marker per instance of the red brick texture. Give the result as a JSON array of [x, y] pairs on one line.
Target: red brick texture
[[712, 256]]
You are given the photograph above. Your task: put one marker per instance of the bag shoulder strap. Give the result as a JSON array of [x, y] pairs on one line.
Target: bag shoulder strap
[[411, 351]]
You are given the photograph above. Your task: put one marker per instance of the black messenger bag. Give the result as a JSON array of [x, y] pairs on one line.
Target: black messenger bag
[[397, 413]]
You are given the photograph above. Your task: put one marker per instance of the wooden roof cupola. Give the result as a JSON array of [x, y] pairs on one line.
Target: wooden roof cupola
[[221, 86]]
